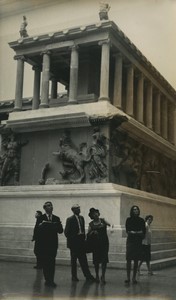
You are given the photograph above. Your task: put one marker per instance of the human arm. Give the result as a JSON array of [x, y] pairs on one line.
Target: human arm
[[58, 225], [67, 228]]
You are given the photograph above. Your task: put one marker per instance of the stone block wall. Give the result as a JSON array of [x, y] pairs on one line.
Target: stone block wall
[[18, 206]]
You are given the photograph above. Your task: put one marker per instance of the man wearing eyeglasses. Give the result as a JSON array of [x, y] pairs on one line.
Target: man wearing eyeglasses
[[49, 226]]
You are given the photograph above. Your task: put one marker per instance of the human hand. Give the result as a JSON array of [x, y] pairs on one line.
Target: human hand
[[112, 228]]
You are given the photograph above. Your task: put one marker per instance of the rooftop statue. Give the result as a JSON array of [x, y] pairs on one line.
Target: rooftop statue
[[103, 13], [23, 31]]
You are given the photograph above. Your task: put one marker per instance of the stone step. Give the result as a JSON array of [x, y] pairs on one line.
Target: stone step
[[163, 246], [162, 254], [64, 254], [120, 264]]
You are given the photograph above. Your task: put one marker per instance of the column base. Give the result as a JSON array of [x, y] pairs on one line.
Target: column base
[[103, 99], [43, 106], [17, 109], [72, 101]]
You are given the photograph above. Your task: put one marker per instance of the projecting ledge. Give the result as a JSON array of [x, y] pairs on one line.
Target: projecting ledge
[[48, 122], [148, 137], [59, 117]]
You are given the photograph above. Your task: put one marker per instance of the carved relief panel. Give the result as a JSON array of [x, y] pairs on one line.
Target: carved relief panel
[[137, 166]]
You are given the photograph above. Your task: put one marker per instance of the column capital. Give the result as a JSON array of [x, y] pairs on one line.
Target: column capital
[[148, 83], [48, 52], [129, 65], [118, 55], [74, 47], [53, 78], [107, 41], [20, 57], [36, 68], [140, 75]]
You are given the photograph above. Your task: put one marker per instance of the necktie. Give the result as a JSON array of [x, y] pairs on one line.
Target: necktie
[[49, 217], [79, 225]]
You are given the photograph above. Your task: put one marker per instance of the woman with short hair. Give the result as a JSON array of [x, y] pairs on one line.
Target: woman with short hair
[[97, 232], [135, 229], [146, 245]]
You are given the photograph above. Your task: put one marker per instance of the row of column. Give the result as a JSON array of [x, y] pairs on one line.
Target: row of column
[[143, 101], [73, 86], [152, 109]]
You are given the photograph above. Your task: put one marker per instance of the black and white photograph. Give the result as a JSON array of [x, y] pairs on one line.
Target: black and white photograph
[[87, 149]]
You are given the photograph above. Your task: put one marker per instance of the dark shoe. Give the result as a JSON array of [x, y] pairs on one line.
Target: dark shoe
[[75, 279], [103, 280], [134, 281], [90, 278], [127, 281], [50, 284]]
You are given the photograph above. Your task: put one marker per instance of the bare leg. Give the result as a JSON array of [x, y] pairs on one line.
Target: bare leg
[[128, 266], [97, 272], [135, 267], [149, 267], [140, 264], [103, 272]]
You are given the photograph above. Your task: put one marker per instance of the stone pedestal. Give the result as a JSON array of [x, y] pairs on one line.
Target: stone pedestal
[[114, 203]]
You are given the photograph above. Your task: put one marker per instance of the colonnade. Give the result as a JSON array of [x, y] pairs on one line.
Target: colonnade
[[140, 98], [44, 72], [134, 93]]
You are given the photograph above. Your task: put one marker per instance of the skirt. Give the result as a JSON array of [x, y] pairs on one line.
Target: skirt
[[146, 253]]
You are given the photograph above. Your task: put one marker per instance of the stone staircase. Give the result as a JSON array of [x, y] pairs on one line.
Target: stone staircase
[[16, 245]]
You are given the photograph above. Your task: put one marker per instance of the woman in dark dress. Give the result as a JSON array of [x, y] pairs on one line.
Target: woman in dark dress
[[135, 229], [97, 232]]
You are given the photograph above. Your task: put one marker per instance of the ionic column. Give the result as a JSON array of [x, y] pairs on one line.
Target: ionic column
[[157, 113], [140, 99], [130, 91], [73, 86], [104, 75], [164, 118], [174, 125], [117, 101], [149, 106], [36, 88], [19, 82], [53, 88], [171, 125], [45, 80]]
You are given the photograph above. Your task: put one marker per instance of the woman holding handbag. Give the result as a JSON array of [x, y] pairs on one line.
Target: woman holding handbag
[[97, 236]]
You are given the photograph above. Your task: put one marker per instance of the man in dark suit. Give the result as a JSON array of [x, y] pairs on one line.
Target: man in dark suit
[[49, 226], [38, 214], [75, 234]]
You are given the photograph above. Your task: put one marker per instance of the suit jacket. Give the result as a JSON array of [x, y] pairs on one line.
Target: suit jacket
[[72, 229], [48, 234]]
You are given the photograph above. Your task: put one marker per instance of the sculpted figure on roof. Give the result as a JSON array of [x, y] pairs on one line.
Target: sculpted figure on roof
[[103, 13], [23, 31]]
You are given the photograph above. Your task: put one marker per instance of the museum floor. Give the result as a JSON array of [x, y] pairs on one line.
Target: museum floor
[[19, 281]]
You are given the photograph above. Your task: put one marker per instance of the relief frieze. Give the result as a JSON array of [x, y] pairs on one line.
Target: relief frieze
[[137, 166], [79, 163], [10, 159]]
